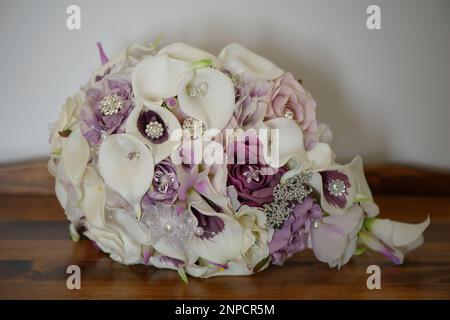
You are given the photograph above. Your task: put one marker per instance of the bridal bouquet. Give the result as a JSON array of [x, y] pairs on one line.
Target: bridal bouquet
[[210, 165]]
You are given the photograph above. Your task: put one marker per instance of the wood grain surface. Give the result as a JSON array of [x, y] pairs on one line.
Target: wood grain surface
[[35, 250]]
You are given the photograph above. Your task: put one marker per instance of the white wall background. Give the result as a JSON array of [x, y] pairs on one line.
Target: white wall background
[[385, 93]]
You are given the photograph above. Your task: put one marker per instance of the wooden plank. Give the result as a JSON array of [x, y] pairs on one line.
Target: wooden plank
[[32, 178], [34, 255]]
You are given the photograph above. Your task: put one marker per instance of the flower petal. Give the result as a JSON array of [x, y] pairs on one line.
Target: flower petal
[[162, 150], [398, 234], [93, 202], [74, 157], [328, 243], [282, 141], [237, 59], [130, 176], [222, 246], [185, 52], [369, 206], [156, 78], [216, 107], [320, 155]]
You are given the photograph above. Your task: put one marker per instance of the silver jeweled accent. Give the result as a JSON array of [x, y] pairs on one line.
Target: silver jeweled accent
[[317, 224], [289, 114], [193, 128], [197, 91], [111, 104], [236, 79], [285, 198], [252, 174], [154, 130], [133, 155], [163, 180], [336, 187], [198, 231]]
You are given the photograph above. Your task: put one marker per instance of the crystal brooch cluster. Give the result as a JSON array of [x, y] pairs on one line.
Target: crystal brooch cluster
[[111, 104], [154, 130], [285, 197]]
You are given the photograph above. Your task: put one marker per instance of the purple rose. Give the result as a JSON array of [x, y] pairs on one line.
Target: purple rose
[[293, 236], [289, 99], [107, 106], [253, 179], [164, 186]]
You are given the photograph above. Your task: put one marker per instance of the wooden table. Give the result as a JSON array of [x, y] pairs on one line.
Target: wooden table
[[35, 250]]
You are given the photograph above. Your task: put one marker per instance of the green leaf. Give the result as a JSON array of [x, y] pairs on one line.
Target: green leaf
[[368, 223], [361, 198], [183, 275], [360, 251], [204, 63]]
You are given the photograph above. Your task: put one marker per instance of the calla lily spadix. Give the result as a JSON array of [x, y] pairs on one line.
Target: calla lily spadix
[[171, 125], [126, 164], [74, 158], [216, 107], [237, 59]]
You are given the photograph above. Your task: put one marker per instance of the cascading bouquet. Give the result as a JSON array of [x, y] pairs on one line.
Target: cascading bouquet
[[210, 166]]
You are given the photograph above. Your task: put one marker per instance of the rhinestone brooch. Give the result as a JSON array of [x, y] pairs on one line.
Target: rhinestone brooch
[[252, 174], [133, 155], [193, 128], [289, 114], [163, 180], [111, 104], [336, 188], [197, 91], [154, 130], [236, 79], [285, 196]]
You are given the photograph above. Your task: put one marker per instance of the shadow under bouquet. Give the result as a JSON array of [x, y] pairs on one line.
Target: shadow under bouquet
[[211, 166]]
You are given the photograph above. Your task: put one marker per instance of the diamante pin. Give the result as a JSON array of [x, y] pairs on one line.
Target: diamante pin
[[197, 91], [111, 104], [154, 130], [336, 187]]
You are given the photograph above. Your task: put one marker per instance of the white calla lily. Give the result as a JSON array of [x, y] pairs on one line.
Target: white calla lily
[[111, 235], [215, 108], [217, 246], [365, 195], [185, 52], [93, 202], [282, 141], [126, 165], [74, 158], [397, 234], [320, 156], [157, 77], [237, 59], [256, 235], [162, 150]]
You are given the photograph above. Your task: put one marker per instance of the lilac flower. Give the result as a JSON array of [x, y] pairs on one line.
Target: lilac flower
[[252, 101], [289, 99], [253, 179], [108, 104], [293, 236], [164, 186]]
